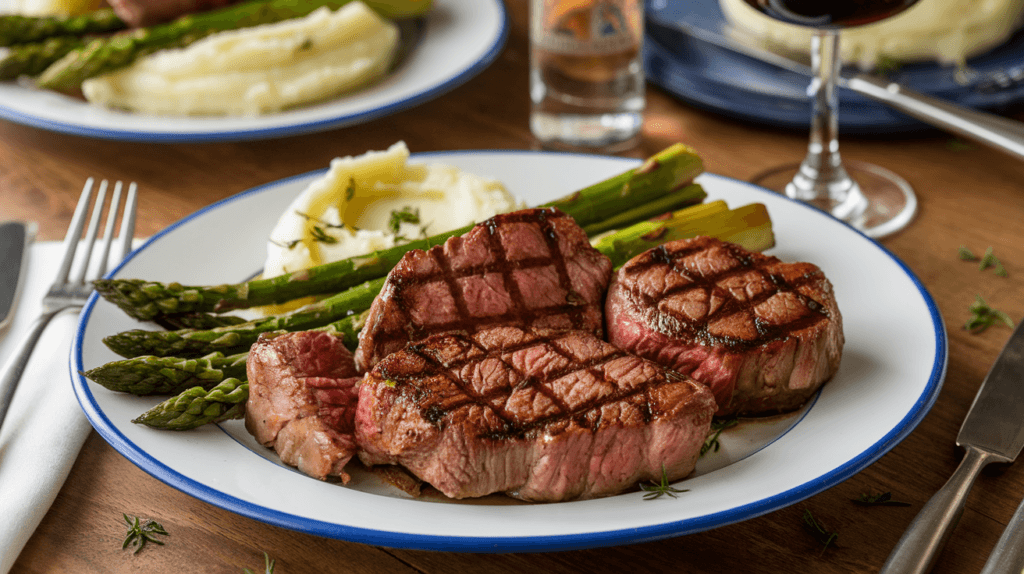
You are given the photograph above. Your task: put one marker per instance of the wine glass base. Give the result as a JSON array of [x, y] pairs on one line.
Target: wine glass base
[[891, 202]]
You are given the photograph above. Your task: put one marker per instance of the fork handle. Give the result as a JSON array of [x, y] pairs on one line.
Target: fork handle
[[15, 366]]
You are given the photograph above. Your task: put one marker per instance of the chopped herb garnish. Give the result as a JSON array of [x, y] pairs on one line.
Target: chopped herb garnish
[[404, 215], [320, 235], [350, 191], [887, 65], [711, 443], [983, 316], [287, 244], [818, 530], [884, 499], [655, 490], [268, 565], [140, 533], [966, 254]]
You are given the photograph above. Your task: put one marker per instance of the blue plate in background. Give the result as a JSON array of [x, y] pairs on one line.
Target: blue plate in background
[[738, 86]]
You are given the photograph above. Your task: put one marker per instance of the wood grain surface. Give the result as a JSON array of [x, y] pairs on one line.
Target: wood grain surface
[[969, 195]]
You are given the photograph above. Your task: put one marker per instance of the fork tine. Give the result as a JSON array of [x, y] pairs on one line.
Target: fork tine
[[108, 230], [74, 232], [90, 233], [128, 223]]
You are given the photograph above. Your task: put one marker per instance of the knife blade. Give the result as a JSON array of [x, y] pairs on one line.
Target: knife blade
[[994, 131], [993, 431], [14, 240]]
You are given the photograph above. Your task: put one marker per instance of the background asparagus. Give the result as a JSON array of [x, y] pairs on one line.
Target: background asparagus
[[198, 406], [103, 55], [18, 29], [32, 59], [665, 177], [151, 375]]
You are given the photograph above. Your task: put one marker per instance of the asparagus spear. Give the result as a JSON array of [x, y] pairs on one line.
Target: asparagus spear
[[198, 406], [151, 375], [32, 59], [103, 55], [667, 173], [189, 343], [19, 29], [197, 320]]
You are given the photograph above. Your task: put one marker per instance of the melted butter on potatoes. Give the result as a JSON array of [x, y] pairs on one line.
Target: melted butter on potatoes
[[257, 70]]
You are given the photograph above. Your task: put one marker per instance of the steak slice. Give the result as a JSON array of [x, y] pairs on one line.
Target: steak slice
[[762, 334], [302, 400], [542, 415], [529, 268]]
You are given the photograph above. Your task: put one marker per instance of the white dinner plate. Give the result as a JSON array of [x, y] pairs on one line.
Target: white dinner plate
[[461, 38], [892, 369]]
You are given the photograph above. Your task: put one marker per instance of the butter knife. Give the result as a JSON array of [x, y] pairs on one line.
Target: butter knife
[[14, 240], [997, 132], [992, 432]]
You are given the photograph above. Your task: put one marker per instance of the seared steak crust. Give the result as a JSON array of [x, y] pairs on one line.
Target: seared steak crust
[[302, 400], [530, 268], [762, 334], [541, 415]]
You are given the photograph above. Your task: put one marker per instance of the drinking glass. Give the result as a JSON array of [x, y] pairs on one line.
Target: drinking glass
[[870, 198]]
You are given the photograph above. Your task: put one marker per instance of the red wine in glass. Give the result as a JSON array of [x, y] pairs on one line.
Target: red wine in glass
[[870, 198]]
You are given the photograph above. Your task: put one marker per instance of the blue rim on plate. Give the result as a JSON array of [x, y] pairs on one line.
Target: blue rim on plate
[[923, 397], [461, 39], [740, 87]]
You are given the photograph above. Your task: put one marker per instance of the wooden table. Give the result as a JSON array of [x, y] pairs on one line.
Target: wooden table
[[969, 196]]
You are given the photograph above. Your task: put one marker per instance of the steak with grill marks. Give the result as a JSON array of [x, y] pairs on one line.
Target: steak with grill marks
[[529, 268], [764, 335], [542, 415], [302, 400]]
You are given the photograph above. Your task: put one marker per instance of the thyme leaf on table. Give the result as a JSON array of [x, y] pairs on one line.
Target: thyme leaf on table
[[658, 490], [966, 254], [819, 531], [990, 260], [269, 565], [983, 316], [711, 443], [140, 533], [884, 499]]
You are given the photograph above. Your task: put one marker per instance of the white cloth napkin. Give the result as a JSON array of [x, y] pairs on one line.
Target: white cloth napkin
[[45, 427]]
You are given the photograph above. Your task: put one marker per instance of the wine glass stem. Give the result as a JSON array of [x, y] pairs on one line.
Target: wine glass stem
[[822, 180]]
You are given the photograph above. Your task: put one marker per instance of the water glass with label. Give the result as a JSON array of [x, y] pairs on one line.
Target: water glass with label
[[586, 73]]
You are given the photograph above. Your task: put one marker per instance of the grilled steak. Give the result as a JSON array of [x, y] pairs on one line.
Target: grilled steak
[[539, 414], [762, 334], [302, 400], [530, 268]]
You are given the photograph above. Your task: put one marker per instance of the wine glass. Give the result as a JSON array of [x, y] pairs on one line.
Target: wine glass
[[870, 198]]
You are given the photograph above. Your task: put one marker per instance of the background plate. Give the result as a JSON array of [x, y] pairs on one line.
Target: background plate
[[892, 369], [740, 87], [462, 38]]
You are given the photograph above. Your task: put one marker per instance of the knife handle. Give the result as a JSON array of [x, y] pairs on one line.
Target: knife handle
[[998, 132], [1008, 554], [920, 545]]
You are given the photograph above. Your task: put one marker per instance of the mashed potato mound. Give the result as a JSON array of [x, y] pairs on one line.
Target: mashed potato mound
[[948, 31]]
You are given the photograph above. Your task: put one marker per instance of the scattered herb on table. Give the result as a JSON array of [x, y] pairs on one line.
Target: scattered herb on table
[[886, 65], [269, 565], [711, 443], [983, 316], [658, 490], [884, 499], [819, 531], [990, 260], [957, 144], [966, 254], [140, 533]]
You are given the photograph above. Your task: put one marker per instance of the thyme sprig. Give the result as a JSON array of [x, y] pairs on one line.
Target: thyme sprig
[[140, 533], [819, 531], [656, 490], [985, 261], [983, 316], [883, 499], [268, 565], [711, 443]]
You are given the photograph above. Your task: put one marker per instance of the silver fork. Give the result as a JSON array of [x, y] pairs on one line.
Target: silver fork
[[71, 294]]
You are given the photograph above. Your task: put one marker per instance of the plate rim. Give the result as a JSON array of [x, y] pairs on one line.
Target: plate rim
[[495, 45], [500, 544]]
